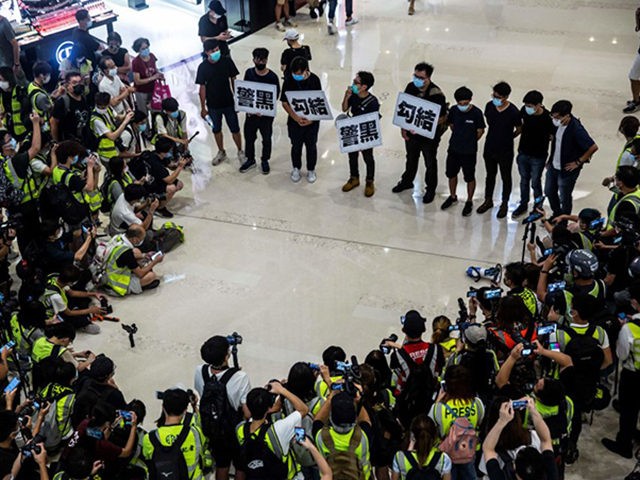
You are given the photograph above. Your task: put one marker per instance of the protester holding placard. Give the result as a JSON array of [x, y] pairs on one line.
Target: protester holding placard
[[422, 87], [358, 101], [302, 132], [260, 73]]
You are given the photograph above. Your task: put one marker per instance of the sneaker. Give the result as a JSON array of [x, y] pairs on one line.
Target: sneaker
[[615, 447], [519, 211], [321, 9], [631, 107], [401, 187], [352, 183], [265, 167], [468, 208], [502, 212], [164, 213], [448, 202], [351, 21], [486, 205], [312, 13], [289, 23], [248, 165], [220, 157], [331, 28], [152, 285], [280, 27], [242, 158], [369, 189], [411, 10], [311, 176], [295, 175], [91, 329], [428, 197]]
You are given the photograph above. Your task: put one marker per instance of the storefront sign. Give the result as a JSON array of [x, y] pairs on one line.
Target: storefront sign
[[63, 51]]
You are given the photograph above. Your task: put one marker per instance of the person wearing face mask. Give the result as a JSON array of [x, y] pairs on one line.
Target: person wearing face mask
[[112, 84], [11, 100], [415, 145], [571, 148], [216, 76], [58, 254], [213, 26], [81, 36], [302, 132], [467, 127], [629, 126], [107, 127], [40, 100], [505, 123], [132, 208], [133, 138], [262, 123], [282, 7], [120, 55], [296, 49], [71, 112], [533, 148], [171, 123], [145, 73]]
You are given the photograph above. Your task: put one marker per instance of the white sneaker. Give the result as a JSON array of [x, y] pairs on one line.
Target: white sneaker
[[280, 27], [353, 21], [91, 329], [241, 157], [311, 176], [220, 157], [295, 175], [331, 28]]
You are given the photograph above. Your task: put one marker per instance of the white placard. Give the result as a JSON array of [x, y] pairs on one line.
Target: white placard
[[359, 133], [416, 114], [310, 104], [255, 97]]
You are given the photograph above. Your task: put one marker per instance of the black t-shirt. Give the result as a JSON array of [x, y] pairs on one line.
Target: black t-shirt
[[618, 265], [127, 260], [159, 172], [215, 77], [250, 75], [431, 94], [536, 133], [73, 120], [501, 127], [548, 459], [290, 53], [29, 470], [464, 134], [289, 84], [89, 43], [206, 28], [361, 106], [118, 57]]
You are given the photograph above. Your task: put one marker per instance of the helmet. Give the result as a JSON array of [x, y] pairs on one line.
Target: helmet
[[583, 262], [634, 268]]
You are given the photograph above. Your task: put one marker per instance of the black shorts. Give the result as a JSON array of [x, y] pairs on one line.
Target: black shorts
[[224, 453], [464, 161]]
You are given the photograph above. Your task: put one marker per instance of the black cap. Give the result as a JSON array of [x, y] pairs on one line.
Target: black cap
[[343, 409], [217, 7], [414, 324]]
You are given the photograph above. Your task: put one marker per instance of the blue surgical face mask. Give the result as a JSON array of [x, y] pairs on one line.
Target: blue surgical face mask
[[13, 143], [145, 52], [530, 110], [75, 160], [497, 101], [418, 82], [90, 24], [142, 127], [464, 108], [215, 56], [169, 155], [297, 77], [354, 89], [174, 114]]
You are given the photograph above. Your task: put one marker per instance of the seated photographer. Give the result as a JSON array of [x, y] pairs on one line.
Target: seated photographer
[[171, 123], [515, 277], [117, 178], [508, 441], [133, 138], [13, 462], [132, 208], [127, 270], [107, 127], [164, 184], [60, 394], [57, 344], [58, 253], [26, 325]]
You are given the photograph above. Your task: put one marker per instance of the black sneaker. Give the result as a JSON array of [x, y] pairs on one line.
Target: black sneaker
[[486, 205], [615, 447], [312, 13], [164, 212], [248, 165], [428, 197], [631, 107], [448, 202], [152, 285], [468, 208], [401, 187], [502, 212], [321, 9], [519, 211], [265, 167]]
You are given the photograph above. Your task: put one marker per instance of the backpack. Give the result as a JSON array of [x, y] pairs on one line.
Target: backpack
[[58, 201], [587, 357], [217, 416], [418, 392], [10, 195], [344, 464], [508, 467], [167, 462], [50, 430], [428, 472], [461, 441], [105, 192], [43, 370], [258, 460], [558, 424], [386, 431]]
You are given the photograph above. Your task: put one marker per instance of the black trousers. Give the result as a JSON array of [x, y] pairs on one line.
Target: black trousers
[[307, 137], [492, 162], [429, 150], [629, 397], [252, 125], [367, 155]]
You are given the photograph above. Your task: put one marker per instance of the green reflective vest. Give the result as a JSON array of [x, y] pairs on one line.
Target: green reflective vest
[[634, 327], [43, 348], [106, 147], [341, 443], [33, 91], [51, 289], [632, 197], [16, 122], [118, 278]]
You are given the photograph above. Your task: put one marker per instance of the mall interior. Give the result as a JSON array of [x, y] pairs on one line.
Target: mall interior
[[295, 267]]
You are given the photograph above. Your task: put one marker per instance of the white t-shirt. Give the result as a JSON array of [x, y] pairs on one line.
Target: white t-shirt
[[57, 302], [285, 429], [238, 386], [557, 164], [535, 443], [122, 214], [112, 87]]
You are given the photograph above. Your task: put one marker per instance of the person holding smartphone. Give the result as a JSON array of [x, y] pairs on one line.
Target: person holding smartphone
[[323, 466]]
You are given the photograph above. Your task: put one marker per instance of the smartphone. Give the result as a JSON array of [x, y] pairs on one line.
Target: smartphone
[[314, 366], [443, 385], [85, 229], [454, 327], [8, 345], [300, 434], [126, 416], [554, 287], [156, 255], [519, 404], [554, 346], [337, 386], [95, 433], [526, 352], [493, 293], [547, 329], [472, 293], [547, 252], [13, 384]]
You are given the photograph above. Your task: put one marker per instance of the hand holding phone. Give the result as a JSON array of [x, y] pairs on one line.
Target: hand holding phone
[[157, 255], [300, 434]]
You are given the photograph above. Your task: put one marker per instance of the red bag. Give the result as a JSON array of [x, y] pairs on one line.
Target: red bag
[[160, 91]]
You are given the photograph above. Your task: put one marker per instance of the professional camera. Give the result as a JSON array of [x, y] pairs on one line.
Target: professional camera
[[104, 304], [536, 212], [161, 197], [31, 448], [351, 375], [629, 234], [234, 339], [391, 338], [527, 349]]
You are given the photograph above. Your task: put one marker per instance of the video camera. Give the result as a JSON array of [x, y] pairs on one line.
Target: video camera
[[391, 338], [161, 197], [32, 447], [234, 339], [350, 374], [629, 234], [104, 304], [535, 213]]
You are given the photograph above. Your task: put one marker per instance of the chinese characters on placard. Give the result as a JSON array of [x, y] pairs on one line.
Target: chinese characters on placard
[[310, 104], [359, 133], [417, 115], [256, 98]]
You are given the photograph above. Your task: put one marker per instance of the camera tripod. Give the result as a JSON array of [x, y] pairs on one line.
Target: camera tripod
[[530, 235]]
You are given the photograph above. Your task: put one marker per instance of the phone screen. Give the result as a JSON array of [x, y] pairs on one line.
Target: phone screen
[[13, 384], [300, 434]]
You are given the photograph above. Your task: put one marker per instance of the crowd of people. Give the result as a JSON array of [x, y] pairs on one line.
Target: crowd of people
[[501, 391]]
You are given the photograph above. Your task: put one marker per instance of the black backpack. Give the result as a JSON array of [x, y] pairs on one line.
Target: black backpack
[[43, 371], [107, 199], [508, 467], [217, 416], [58, 201], [587, 357], [481, 364], [427, 472], [168, 463], [258, 460]]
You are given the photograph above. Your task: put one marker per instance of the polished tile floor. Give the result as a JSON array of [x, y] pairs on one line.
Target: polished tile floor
[[296, 267]]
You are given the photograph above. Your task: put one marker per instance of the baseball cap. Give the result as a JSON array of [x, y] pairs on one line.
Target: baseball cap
[[343, 410], [475, 333], [217, 7], [291, 34], [413, 324], [102, 367]]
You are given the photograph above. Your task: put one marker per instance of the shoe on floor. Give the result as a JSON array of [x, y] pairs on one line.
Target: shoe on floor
[[631, 107], [265, 167], [520, 210], [280, 27], [220, 157], [152, 285], [321, 9], [352, 183], [242, 158], [248, 165], [615, 447], [411, 11], [401, 187], [428, 197], [312, 13], [448, 202], [331, 28], [486, 205], [164, 212], [369, 189], [91, 329], [295, 175], [504, 209], [468, 208], [351, 21], [290, 24], [311, 176]]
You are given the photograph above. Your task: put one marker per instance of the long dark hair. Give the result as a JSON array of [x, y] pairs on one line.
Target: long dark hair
[[514, 434], [379, 363], [425, 433], [301, 381], [458, 384]]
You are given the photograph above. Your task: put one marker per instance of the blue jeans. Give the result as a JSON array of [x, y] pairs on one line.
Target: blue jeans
[[348, 8], [558, 188], [465, 471], [530, 169]]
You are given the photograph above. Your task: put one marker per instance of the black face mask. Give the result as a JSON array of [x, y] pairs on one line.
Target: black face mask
[[78, 89], [261, 66]]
